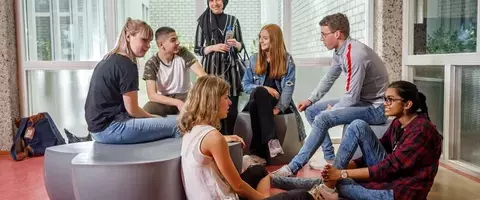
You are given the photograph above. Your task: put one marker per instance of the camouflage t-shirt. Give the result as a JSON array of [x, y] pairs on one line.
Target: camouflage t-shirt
[[173, 78]]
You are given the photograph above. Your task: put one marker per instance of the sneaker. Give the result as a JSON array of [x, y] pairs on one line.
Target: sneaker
[[284, 171], [322, 192], [258, 160], [247, 162], [250, 160], [319, 164], [274, 148]]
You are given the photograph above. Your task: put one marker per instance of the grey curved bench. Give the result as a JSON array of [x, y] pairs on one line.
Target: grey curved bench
[[379, 131], [57, 169], [287, 133], [137, 171]]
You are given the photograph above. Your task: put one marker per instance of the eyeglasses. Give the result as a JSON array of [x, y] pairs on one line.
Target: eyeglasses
[[389, 100], [324, 35]]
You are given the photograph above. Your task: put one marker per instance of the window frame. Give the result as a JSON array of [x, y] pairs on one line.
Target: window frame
[[452, 65]]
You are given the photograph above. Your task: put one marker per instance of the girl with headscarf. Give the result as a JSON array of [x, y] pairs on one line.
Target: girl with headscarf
[[220, 53]]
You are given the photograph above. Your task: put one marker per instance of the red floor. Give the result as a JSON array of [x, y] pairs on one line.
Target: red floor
[[23, 180]]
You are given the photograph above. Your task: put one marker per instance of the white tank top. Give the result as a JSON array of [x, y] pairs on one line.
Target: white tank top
[[201, 178]]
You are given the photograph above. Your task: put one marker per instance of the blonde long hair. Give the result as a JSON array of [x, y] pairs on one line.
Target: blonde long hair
[[277, 52], [132, 27], [201, 106]]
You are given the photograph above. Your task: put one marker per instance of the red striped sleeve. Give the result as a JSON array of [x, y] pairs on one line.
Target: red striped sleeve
[[349, 67]]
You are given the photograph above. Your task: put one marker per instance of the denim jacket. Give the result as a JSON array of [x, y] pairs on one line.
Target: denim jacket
[[285, 86]]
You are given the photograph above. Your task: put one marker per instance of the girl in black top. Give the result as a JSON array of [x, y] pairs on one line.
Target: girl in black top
[[220, 53], [111, 109]]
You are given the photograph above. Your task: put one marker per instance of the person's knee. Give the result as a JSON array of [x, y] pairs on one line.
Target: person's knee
[[323, 119], [310, 113], [259, 92], [356, 126]]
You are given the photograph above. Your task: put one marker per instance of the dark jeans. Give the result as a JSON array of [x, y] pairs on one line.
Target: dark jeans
[[229, 122], [254, 174], [260, 106]]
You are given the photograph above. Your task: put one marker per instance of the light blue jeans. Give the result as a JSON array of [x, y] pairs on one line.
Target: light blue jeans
[[322, 120], [357, 134], [138, 130]]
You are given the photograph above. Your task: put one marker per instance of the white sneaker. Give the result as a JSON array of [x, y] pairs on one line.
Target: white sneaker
[[322, 192], [284, 171], [319, 164], [274, 148]]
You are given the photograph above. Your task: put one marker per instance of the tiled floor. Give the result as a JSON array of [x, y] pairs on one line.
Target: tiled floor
[[24, 180]]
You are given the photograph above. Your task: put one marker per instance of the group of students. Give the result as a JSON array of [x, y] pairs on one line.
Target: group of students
[[400, 165]]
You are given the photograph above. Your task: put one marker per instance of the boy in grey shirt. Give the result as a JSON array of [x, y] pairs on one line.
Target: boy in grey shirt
[[367, 80]]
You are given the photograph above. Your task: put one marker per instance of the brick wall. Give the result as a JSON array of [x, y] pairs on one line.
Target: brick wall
[[249, 16], [306, 14], [178, 14]]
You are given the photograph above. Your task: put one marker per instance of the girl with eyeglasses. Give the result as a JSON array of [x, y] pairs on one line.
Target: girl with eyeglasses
[[400, 165]]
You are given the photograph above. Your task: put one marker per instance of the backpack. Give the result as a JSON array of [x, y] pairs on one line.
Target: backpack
[[34, 135]]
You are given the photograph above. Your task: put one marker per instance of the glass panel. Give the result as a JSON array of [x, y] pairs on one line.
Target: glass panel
[[470, 115], [53, 37], [306, 16], [445, 26], [429, 81], [42, 6], [62, 94], [80, 4], [43, 38], [66, 38], [64, 5]]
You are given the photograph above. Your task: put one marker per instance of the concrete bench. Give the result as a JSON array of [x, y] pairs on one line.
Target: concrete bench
[[57, 169], [379, 131], [287, 133], [105, 171]]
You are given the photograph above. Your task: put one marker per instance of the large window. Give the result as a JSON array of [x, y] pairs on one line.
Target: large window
[[441, 56], [445, 26], [69, 30]]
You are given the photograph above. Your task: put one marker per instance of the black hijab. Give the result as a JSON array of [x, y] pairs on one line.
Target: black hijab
[[209, 23]]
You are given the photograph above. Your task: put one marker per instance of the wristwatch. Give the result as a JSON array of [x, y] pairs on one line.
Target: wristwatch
[[344, 174]]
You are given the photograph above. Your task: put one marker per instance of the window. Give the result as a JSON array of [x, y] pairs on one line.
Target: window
[[61, 30], [441, 56], [469, 114], [430, 81], [442, 26], [145, 13]]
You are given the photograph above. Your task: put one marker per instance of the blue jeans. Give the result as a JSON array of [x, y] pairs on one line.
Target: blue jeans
[[138, 130], [322, 120], [357, 134]]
